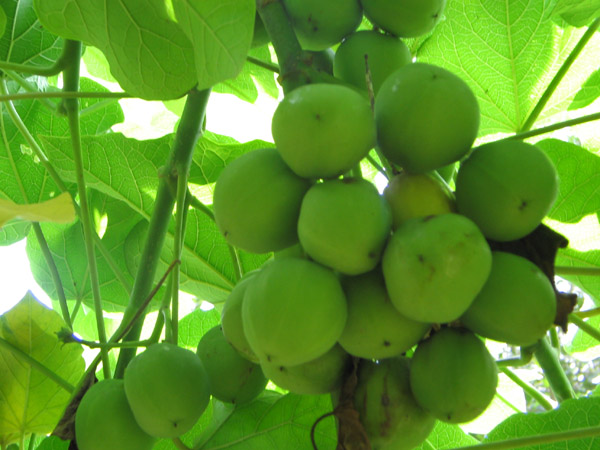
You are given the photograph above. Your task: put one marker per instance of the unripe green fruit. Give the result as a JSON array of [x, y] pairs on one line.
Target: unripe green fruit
[[323, 130], [417, 195], [426, 116], [104, 420], [388, 411], [257, 201], [344, 224], [384, 54], [517, 304], [506, 188], [404, 18], [374, 328], [231, 319], [453, 375], [434, 267], [293, 311], [167, 388], [319, 376], [232, 378], [319, 24]]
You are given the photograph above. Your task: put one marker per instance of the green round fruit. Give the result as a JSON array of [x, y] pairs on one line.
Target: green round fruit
[[387, 409], [506, 188], [404, 18], [319, 376], [232, 378], [231, 319], [323, 130], [435, 266], [517, 304], [167, 388], [384, 54], [453, 375], [104, 420], [426, 116], [374, 328], [319, 25], [417, 195], [257, 201], [293, 311], [344, 224]]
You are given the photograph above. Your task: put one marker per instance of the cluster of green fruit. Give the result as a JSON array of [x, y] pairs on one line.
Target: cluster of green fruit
[[163, 393], [370, 276]]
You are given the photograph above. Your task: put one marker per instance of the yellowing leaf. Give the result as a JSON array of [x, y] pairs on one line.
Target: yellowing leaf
[[59, 209], [30, 402]]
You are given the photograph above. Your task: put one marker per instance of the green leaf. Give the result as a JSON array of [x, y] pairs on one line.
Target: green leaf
[[148, 53], [24, 39], [58, 209], [221, 33], [193, 326], [579, 174], [577, 12], [2, 21], [244, 85], [271, 422], [573, 258], [583, 341], [53, 443], [590, 91], [444, 436], [508, 52], [571, 415], [30, 402]]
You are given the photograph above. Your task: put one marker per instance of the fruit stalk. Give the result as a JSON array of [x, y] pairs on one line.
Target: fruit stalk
[[553, 371]]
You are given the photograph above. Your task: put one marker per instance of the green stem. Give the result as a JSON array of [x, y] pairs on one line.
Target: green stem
[[179, 444], [71, 106], [581, 271], [237, 264], [584, 326], [553, 127], [197, 204], [110, 345], [588, 313], [162, 318], [29, 87], [377, 166], [31, 442], [539, 107], [60, 292], [264, 64], [554, 339], [180, 216], [70, 53], [553, 371], [35, 364], [529, 389], [524, 359], [510, 444], [82, 94], [188, 132]]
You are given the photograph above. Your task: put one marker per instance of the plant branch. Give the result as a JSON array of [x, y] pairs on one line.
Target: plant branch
[[553, 127], [529, 389], [179, 237], [190, 129], [70, 53], [587, 313], [539, 107], [584, 326], [553, 371], [548, 438], [264, 64], [34, 363], [29, 87], [581, 271], [60, 292]]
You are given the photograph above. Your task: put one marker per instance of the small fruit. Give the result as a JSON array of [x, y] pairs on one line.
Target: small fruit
[[231, 319], [404, 18], [435, 266], [516, 305], [383, 53], [319, 376], [257, 202], [167, 388], [344, 224], [293, 311], [388, 411], [323, 130], [426, 116], [104, 420], [319, 24], [232, 378], [453, 375], [506, 188], [417, 195], [374, 328]]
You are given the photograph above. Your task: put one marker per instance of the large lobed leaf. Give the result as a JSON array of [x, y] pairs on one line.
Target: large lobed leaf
[[29, 401]]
